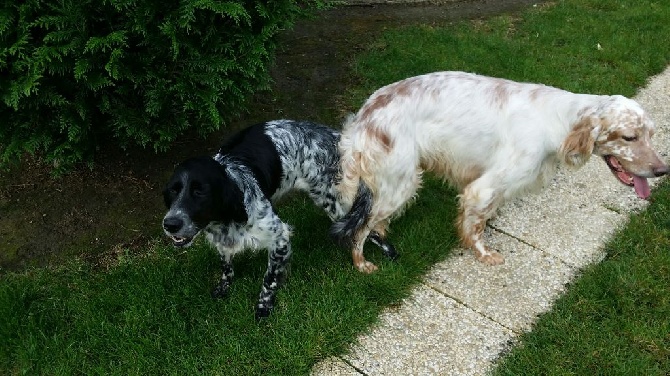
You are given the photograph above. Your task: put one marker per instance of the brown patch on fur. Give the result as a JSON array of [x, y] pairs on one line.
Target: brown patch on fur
[[607, 130], [478, 227], [400, 89], [611, 136], [380, 101], [376, 133], [466, 240], [578, 145], [501, 93], [476, 224], [360, 262], [606, 123], [471, 235]]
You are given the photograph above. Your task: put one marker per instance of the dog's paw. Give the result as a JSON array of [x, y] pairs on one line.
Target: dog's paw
[[492, 258], [387, 248], [366, 267], [263, 312], [389, 251], [221, 290]]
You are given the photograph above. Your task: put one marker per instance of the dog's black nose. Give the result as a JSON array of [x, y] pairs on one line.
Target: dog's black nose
[[662, 170], [172, 224]]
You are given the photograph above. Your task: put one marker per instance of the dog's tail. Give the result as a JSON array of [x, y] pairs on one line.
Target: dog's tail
[[344, 229]]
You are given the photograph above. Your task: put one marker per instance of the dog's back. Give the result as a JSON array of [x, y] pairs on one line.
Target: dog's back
[[308, 154], [457, 124], [285, 155]]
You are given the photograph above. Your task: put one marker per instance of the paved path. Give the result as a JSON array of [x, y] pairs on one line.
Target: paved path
[[464, 314]]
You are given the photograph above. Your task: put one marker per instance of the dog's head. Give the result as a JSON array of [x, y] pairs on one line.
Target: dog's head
[[198, 193], [620, 132]]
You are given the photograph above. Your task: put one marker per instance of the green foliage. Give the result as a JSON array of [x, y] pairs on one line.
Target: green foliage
[[77, 72]]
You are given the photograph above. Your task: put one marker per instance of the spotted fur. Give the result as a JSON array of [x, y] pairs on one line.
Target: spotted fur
[[493, 139], [229, 196]]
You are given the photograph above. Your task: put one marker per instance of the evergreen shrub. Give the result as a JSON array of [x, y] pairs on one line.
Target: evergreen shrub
[[74, 73]]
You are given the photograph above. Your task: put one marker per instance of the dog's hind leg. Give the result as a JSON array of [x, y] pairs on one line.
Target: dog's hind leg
[[363, 265], [378, 238], [279, 254], [478, 203], [391, 198]]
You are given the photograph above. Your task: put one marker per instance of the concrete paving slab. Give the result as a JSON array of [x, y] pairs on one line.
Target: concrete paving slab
[[603, 188], [430, 334], [563, 220], [655, 99], [512, 294], [334, 366]]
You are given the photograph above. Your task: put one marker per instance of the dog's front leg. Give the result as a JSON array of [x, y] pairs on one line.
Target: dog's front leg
[[279, 255], [222, 288], [478, 202]]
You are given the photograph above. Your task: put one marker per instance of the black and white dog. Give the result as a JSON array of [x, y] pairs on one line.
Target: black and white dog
[[229, 196]]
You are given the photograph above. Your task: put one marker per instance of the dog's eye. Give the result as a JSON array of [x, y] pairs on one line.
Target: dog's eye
[[630, 138], [199, 190], [174, 189]]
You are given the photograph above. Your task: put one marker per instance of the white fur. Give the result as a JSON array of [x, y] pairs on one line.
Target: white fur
[[493, 139]]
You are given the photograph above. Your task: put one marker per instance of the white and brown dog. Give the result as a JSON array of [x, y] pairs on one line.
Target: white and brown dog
[[491, 138]]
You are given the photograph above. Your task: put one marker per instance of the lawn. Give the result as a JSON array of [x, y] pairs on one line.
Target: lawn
[[151, 313]]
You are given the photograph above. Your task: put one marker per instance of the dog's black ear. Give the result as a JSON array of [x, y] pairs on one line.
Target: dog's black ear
[[229, 199]]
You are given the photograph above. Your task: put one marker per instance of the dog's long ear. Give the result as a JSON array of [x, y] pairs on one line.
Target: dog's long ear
[[578, 146], [229, 199]]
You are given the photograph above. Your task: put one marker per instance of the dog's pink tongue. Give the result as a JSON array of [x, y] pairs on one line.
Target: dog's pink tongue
[[641, 187]]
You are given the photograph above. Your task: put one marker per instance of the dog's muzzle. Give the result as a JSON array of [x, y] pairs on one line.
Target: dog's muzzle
[[173, 227], [638, 182]]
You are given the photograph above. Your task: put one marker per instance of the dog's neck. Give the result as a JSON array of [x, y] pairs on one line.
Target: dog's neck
[[583, 105]]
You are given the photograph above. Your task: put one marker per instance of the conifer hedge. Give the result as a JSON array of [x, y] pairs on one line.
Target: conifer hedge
[[76, 72]]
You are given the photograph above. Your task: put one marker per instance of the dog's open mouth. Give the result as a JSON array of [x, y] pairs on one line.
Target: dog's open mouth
[[179, 241], [639, 183]]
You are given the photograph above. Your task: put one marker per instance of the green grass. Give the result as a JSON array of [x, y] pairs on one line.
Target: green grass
[[152, 313], [553, 44]]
